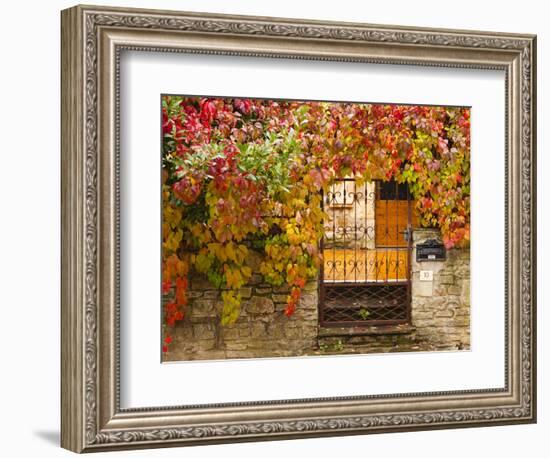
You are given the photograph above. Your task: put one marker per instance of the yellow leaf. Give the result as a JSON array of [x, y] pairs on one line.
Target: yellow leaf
[[231, 307], [182, 268], [246, 271], [230, 252]]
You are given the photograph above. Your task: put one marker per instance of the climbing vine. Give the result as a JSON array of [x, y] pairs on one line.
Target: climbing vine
[[246, 174]]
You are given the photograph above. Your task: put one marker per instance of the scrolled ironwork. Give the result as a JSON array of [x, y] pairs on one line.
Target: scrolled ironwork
[[366, 274]]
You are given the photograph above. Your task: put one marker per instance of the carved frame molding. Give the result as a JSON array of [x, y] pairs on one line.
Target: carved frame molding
[[92, 40]]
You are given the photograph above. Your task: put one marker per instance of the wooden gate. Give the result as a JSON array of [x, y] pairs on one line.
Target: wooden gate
[[366, 246]]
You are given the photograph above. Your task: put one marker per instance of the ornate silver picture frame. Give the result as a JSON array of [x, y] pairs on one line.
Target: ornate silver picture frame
[[93, 39]]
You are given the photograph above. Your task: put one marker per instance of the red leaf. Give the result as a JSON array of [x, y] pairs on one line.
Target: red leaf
[[181, 287], [166, 286], [290, 309]]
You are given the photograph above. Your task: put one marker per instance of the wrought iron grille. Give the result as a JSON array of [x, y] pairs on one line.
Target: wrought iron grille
[[365, 277]]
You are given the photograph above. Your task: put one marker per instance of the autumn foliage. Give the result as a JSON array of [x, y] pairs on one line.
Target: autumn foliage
[[246, 174]]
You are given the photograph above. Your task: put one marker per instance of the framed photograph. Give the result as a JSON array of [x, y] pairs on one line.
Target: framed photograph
[[278, 228]]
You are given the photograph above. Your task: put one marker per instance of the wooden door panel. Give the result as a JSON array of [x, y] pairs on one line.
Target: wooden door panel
[[391, 220]]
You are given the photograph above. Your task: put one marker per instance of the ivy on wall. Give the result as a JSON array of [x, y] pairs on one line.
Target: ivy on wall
[[247, 174]]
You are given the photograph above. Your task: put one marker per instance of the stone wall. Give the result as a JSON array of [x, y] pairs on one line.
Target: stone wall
[[262, 329], [440, 318], [441, 307]]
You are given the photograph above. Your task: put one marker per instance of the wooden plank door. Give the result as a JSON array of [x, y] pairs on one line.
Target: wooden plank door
[[393, 214]]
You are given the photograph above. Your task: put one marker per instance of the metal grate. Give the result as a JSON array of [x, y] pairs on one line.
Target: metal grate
[[366, 246], [369, 303]]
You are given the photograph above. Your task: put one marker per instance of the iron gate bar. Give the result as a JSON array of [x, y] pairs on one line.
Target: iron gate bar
[[396, 227], [409, 251], [387, 235]]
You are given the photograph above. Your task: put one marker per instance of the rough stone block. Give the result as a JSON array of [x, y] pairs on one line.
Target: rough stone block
[[281, 289], [293, 333], [454, 290], [183, 332], [440, 290], [263, 291], [309, 301], [275, 331], [230, 333], [422, 316], [245, 292], [425, 327], [445, 313], [232, 345], [311, 286], [261, 347], [244, 332], [260, 305], [258, 331], [305, 316], [201, 308], [309, 332], [204, 331], [446, 279], [463, 320], [204, 345], [280, 306], [279, 298], [212, 294]]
